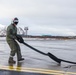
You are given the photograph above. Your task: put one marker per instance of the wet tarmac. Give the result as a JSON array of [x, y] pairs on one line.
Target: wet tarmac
[[38, 64]]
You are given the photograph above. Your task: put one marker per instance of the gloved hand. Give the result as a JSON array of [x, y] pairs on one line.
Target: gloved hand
[[20, 39]]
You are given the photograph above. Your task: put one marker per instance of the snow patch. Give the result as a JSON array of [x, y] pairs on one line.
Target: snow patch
[[2, 26]]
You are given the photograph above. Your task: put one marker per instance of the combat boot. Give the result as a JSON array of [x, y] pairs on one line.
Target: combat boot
[[11, 60], [21, 59]]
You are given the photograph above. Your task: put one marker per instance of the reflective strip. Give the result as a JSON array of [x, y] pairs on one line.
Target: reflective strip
[[15, 20]]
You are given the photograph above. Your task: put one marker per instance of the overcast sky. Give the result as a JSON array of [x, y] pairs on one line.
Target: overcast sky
[[42, 17]]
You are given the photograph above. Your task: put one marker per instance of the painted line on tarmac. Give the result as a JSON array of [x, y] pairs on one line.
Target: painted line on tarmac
[[35, 70]]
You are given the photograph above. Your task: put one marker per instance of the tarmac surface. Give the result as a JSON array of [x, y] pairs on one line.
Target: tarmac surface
[[38, 64]]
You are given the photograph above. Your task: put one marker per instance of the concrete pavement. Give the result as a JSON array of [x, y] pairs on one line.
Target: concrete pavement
[[35, 63]]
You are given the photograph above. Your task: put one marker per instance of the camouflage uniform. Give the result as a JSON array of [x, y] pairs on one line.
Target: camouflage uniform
[[11, 40]]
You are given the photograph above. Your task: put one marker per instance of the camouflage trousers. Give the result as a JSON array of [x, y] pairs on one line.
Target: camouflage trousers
[[15, 49]]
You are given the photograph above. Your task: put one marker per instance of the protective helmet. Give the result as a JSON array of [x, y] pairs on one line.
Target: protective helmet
[[15, 20]]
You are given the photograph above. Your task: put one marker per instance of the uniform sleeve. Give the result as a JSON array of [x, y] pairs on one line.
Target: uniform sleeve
[[10, 34]]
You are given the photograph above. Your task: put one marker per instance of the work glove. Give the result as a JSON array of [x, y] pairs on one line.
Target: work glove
[[20, 39]]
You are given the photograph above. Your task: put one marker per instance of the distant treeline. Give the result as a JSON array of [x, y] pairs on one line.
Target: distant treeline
[[56, 37]]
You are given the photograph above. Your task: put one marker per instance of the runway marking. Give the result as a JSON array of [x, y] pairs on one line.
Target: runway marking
[[36, 70]]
